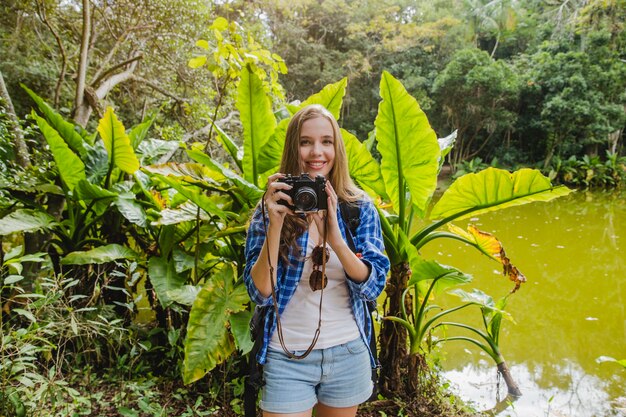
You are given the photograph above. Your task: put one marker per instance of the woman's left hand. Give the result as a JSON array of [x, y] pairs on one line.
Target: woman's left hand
[[333, 237]]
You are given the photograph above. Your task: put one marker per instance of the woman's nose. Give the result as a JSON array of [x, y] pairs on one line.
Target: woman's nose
[[316, 149]]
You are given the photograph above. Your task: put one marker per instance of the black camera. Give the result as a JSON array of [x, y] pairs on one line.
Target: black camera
[[306, 193]]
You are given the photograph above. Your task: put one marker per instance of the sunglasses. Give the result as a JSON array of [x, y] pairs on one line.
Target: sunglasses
[[318, 279]]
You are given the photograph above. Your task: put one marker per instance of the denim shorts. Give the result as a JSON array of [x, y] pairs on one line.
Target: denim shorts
[[338, 376]]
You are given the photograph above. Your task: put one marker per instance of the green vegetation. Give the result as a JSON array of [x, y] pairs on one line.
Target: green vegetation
[[122, 249]]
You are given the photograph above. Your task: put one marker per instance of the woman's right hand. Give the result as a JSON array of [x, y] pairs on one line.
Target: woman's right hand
[[275, 192]]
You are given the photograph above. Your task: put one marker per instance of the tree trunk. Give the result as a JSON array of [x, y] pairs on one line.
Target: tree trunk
[[550, 153], [81, 107], [399, 375], [21, 150], [512, 387], [493, 52]]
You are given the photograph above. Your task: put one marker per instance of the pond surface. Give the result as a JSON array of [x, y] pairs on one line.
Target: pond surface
[[571, 311]]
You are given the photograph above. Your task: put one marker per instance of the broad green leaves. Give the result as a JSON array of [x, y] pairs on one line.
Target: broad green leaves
[[117, 142], [331, 97], [99, 255], [65, 129], [494, 189], [26, 221], [208, 341], [164, 278], [363, 167], [409, 148], [258, 121], [71, 168]]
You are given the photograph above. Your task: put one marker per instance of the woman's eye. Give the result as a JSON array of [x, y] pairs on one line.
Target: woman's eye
[[304, 142]]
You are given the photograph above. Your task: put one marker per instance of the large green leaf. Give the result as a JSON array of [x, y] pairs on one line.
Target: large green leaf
[[423, 271], [66, 130], [96, 163], [251, 192], [230, 146], [100, 197], [117, 143], [85, 190], [185, 295], [196, 195], [494, 189], [447, 276], [208, 341], [257, 118], [26, 221], [71, 168], [331, 97], [240, 328], [408, 146], [131, 210], [363, 167], [150, 150], [475, 297], [99, 255], [493, 312], [186, 212], [269, 158], [191, 173], [164, 278], [139, 132]]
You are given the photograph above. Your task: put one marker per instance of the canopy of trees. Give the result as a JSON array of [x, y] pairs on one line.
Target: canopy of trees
[[550, 81]]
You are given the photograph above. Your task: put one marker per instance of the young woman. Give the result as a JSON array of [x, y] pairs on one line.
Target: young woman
[[335, 376]]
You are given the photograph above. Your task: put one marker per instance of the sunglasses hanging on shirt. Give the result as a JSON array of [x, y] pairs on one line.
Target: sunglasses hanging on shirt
[[318, 279]]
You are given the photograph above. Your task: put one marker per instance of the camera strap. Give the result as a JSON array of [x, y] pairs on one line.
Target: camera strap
[[279, 328]]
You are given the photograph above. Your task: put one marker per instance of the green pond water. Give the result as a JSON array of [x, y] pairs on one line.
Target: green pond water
[[571, 311]]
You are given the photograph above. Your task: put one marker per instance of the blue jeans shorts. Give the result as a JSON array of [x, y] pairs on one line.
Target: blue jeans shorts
[[339, 376]]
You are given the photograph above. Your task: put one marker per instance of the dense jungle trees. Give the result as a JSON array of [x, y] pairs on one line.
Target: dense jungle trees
[[136, 55]]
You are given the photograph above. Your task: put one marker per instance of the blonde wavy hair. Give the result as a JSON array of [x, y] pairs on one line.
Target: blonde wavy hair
[[291, 163]]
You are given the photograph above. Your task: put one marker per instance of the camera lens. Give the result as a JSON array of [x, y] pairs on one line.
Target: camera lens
[[305, 199]]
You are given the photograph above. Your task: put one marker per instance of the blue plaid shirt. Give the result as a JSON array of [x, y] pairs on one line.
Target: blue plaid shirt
[[368, 241]]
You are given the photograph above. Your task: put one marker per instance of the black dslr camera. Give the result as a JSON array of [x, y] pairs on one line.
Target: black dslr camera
[[306, 193]]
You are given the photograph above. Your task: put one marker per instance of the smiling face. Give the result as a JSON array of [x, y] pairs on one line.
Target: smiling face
[[317, 147]]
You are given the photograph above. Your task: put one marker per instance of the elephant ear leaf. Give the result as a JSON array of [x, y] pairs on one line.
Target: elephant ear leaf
[[71, 168], [99, 255], [164, 279], [229, 145], [138, 133], [257, 119], [117, 142], [408, 146], [363, 167], [209, 341], [26, 221], [494, 189], [331, 97], [65, 129]]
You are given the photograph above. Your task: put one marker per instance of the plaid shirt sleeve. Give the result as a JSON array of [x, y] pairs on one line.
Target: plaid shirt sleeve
[[254, 243], [369, 243]]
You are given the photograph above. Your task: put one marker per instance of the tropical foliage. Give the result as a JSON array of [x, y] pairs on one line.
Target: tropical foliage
[[133, 238]]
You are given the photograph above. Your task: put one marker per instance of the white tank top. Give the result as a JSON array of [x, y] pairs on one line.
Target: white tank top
[[300, 318]]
